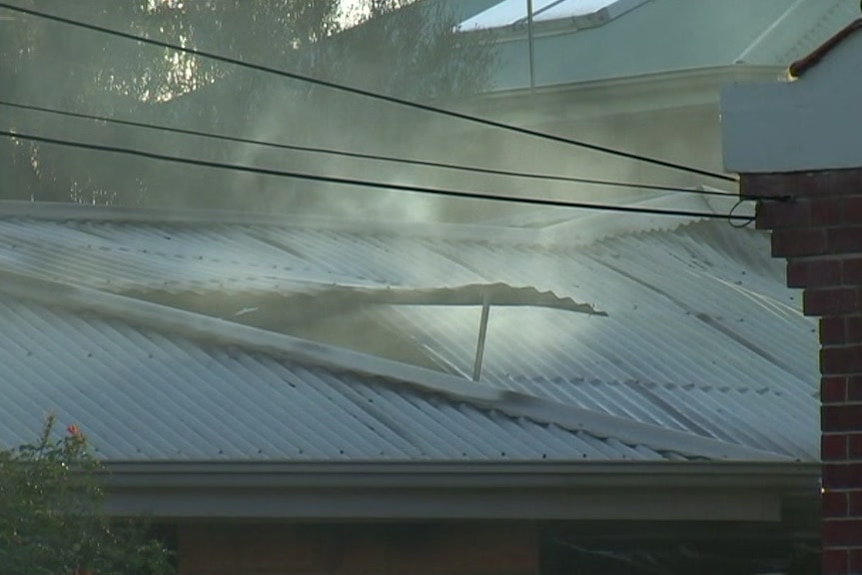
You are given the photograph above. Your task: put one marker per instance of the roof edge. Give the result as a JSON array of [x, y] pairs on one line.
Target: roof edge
[[63, 211], [804, 475], [669, 80], [502, 233], [633, 491], [221, 332]]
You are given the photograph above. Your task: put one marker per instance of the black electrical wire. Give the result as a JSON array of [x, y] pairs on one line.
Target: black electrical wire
[[749, 219], [366, 183], [319, 150], [369, 93]]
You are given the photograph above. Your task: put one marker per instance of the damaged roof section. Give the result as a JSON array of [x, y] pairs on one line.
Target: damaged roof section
[[150, 383], [701, 336], [309, 302]]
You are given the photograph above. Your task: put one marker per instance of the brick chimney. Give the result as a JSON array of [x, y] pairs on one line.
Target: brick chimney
[[797, 146]]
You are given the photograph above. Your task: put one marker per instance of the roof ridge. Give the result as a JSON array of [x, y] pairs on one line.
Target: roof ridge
[[62, 212], [615, 225], [219, 331], [558, 234]]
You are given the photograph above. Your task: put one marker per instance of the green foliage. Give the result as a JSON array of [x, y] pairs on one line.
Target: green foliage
[[400, 48], [50, 515], [411, 50]]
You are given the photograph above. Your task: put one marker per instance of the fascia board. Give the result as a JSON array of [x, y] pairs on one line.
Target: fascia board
[[314, 504], [686, 474], [629, 95], [633, 491]]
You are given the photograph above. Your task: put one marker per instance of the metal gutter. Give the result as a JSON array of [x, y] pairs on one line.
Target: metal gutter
[[803, 476], [446, 491]]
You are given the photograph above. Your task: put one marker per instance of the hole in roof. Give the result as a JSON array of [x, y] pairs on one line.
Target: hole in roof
[[580, 13]]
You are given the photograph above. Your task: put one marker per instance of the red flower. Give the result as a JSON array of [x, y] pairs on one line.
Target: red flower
[[73, 431]]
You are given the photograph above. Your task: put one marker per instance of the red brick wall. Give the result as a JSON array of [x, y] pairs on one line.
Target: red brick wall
[[358, 549], [820, 234]]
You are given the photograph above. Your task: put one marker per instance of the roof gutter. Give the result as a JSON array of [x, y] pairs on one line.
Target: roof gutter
[[446, 491], [804, 476]]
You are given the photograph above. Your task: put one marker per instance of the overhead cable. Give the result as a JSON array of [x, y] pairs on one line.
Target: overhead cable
[[369, 94], [359, 155], [367, 183]]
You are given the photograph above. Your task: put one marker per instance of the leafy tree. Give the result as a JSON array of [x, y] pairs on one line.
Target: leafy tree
[[400, 47], [411, 50], [50, 515]]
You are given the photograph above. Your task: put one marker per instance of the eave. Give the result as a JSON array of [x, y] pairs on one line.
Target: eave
[[616, 96], [688, 491]]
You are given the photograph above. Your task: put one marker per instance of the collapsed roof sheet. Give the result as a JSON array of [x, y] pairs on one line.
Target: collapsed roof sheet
[[702, 337], [144, 394]]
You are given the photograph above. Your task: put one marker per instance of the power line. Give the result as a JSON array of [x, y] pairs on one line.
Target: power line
[[320, 150], [367, 183], [369, 93]]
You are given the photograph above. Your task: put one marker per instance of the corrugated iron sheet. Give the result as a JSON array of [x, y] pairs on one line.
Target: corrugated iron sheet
[[144, 395], [702, 334]]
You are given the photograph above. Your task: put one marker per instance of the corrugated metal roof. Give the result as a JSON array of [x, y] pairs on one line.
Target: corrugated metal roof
[[144, 395], [699, 335], [746, 416], [671, 35], [702, 335], [721, 315], [112, 250]]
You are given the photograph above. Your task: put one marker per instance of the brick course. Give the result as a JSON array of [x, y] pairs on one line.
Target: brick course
[[844, 532], [841, 475], [839, 360], [841, 417], [831, 300], [835, 504], [790, 243], [814, 272], [833, 447]]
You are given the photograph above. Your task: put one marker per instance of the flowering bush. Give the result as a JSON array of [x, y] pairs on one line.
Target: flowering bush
[[51, 521]]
